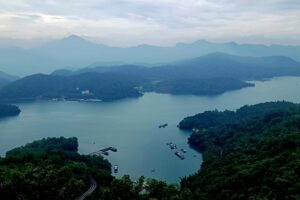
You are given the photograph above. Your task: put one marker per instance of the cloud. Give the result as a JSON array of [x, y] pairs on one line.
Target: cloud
[[162, 22]]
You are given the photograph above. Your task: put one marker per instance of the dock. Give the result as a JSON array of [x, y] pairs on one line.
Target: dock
[[104, 151], [179, 155]]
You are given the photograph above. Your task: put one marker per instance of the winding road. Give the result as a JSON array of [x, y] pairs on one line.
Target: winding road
[[93, 186]]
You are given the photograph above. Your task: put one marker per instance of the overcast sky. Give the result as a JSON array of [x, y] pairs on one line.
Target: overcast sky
[[159, 22]]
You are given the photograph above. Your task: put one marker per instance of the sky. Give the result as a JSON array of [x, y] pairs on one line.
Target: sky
[[156, 22]]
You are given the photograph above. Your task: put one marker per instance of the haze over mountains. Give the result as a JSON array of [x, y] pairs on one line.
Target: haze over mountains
[[6, 79], [76, 52]]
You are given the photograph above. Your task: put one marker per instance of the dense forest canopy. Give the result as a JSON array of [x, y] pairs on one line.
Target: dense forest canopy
[[253, 153]]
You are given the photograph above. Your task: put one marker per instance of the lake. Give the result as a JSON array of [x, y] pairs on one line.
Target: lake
[[131, 126]]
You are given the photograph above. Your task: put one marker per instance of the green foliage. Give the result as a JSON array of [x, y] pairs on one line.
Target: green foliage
[[210, 119], [254, 156], [50, 169]]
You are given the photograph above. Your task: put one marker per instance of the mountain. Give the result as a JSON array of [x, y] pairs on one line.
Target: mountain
[[8, 77], [3, 82], [214, 65], [76, 52], [211, 74], [88, 86]]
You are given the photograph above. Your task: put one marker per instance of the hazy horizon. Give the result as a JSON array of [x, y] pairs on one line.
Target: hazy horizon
[[36, 42], [125, 23]]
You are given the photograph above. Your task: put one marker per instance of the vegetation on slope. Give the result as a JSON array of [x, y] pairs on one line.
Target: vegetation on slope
[[50, 169], [207, 75], [253, 153], [105, 87]]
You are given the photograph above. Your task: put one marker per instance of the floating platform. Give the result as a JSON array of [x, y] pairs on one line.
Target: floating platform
[[179, 155], [172, 145], [104, 151], [109, 149]]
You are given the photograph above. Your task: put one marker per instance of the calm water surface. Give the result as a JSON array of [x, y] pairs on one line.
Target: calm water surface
[[132, 126]]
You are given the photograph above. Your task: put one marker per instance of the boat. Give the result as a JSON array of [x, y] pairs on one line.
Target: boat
[[116, 168], [173, 146], [183, 150], [179, 155], [163, 125]]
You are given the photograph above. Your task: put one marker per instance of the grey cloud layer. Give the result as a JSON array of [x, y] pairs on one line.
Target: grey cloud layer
[[128, 22]]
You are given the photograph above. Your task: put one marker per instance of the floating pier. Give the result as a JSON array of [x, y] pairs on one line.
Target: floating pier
[[172, 145], [179, 155], [104, 151]]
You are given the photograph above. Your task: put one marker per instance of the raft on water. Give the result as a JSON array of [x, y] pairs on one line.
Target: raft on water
[[179, 155]]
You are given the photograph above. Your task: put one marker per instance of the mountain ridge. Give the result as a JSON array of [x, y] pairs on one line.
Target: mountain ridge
[[212, 74], [77, 52]]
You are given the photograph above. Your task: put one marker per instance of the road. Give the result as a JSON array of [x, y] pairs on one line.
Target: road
[[93, 186]]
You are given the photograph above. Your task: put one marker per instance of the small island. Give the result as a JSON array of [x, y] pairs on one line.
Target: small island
[[9, 110]]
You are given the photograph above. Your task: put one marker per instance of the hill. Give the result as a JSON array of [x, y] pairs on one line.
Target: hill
[[88, 86], [50, 169], [207, 75], [212, 65], [252, 153], [3, 82]]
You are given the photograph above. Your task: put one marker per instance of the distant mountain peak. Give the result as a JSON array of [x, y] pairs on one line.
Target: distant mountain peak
[[73, 38], [232, 43], [202, 41]]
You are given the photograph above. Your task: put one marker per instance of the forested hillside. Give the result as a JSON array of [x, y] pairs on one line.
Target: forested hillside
[[52, 169], [105, 87], [253, 153], [212, 74]]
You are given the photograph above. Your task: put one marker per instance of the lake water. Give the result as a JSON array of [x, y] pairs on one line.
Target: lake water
[[131, 126]]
